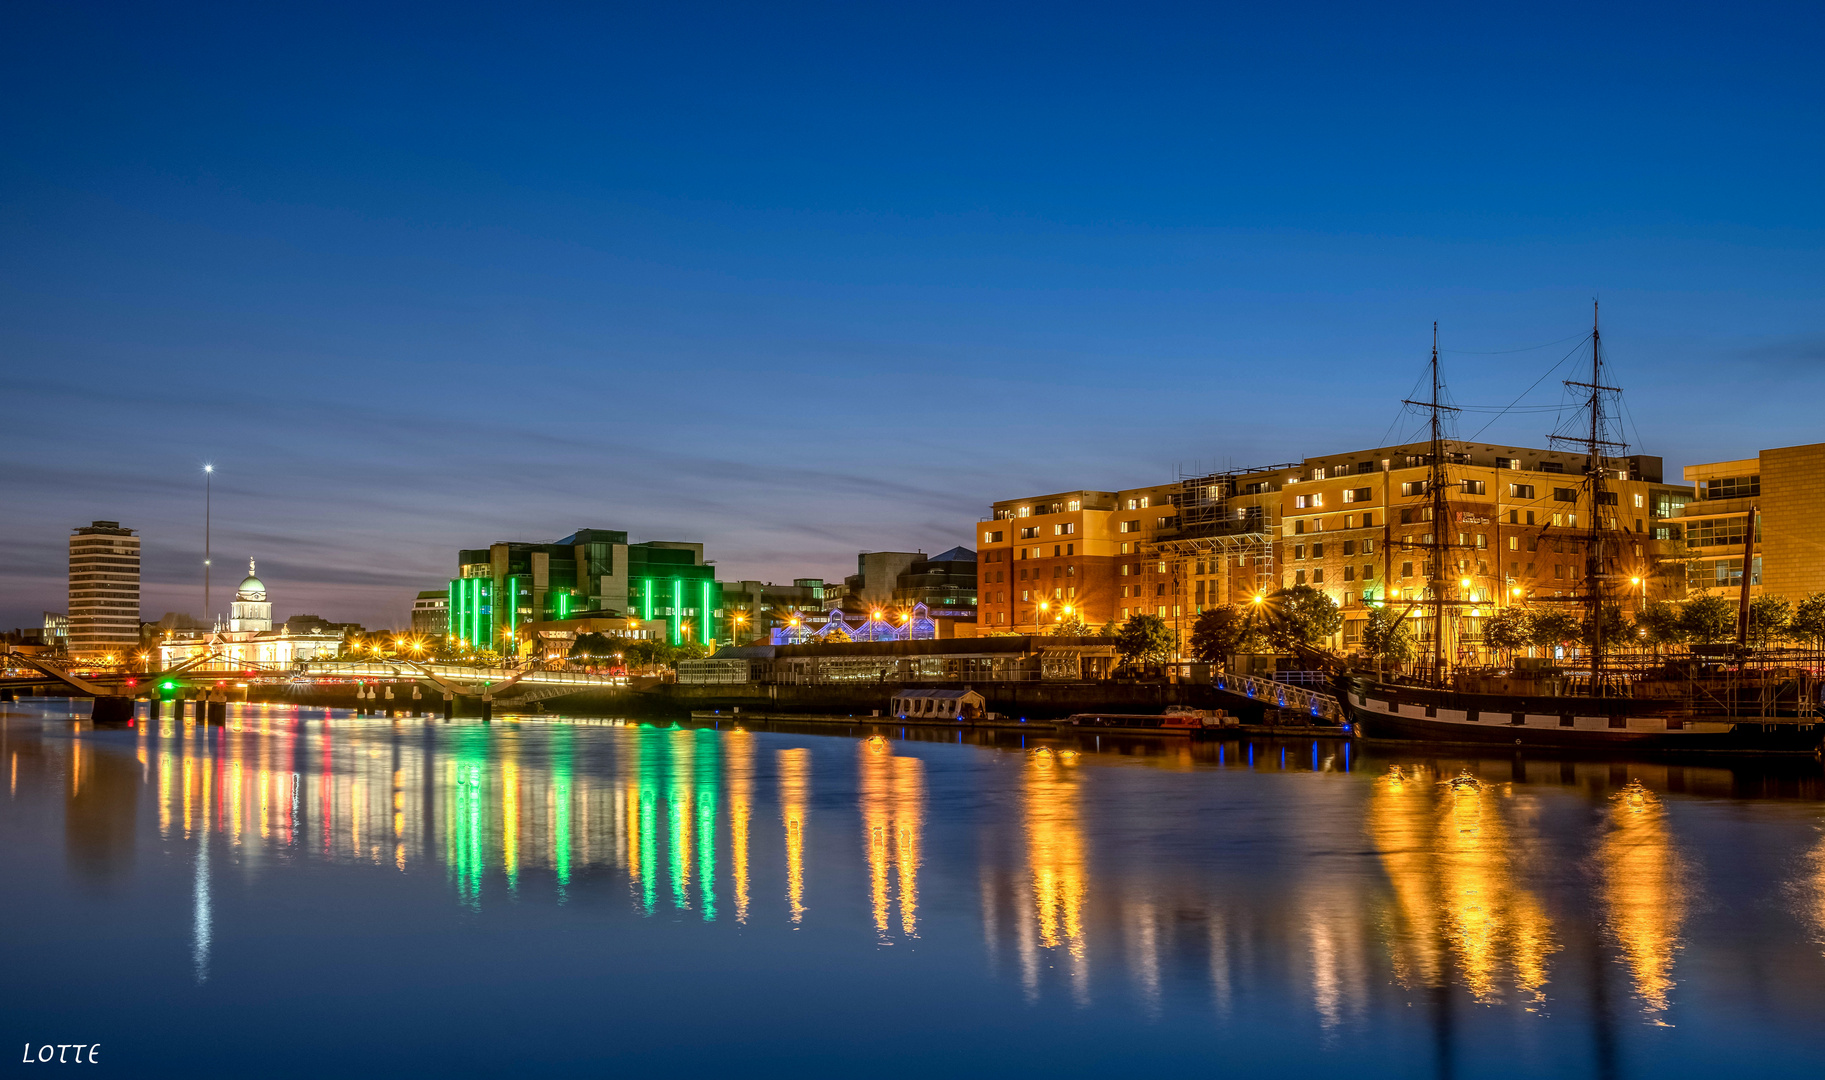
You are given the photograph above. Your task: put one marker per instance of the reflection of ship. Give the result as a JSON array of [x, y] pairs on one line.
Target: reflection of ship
[[1730, 703]]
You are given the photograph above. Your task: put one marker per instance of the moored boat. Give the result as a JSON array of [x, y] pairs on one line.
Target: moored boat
[[1393, 710], [1719, 700]]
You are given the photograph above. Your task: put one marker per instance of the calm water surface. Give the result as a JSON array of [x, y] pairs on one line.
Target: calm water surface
[[300, 893]]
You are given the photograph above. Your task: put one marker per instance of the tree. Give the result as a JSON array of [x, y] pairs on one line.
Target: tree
[[643, 652], [1808, 623], [1145, 639], [1552, 628], [1508, 630], [1610, 628], [1657, 625], [592, 645], [1071, 625], [1769, 617], [1708, 620], [1221, 632], [1386, 636], [837, 636], [1300, 616]]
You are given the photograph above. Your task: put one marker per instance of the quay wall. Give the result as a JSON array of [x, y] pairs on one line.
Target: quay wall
[[1047, 700]]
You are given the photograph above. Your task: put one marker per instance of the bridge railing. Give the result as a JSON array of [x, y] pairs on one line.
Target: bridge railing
[[455, 673], [1283, 695]]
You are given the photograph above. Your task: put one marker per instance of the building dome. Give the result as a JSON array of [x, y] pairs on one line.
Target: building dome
[[252, 588]]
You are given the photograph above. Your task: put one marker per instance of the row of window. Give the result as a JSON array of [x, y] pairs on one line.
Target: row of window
[[1349, 522], [1068, 506], [1732, 487], [1350, 547], [1718, 532], [1349, 574], [1722, 573]]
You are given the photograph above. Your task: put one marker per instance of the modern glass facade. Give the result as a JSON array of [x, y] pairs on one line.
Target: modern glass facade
[[506, 586]]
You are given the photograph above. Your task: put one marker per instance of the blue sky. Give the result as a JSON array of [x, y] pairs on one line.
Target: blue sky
[[802, 281]]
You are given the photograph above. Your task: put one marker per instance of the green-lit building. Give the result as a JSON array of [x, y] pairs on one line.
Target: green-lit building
[[500, 588]]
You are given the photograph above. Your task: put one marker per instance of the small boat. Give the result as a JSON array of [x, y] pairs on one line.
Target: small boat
[[1176, 724]]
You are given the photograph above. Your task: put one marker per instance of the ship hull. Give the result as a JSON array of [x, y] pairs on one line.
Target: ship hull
[[1415, 714]]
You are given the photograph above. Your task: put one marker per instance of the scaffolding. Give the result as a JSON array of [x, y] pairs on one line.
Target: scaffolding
[[1213, 520]]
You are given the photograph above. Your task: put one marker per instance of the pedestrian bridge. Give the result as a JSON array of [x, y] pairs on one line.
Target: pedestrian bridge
[[506, 685], [1279, 694]]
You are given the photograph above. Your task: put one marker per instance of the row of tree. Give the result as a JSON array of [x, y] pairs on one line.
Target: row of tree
[[633, 652], [1303, 616]]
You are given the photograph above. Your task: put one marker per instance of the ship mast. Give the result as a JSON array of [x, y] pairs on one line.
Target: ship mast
[[1597, 451], [1436, 484]]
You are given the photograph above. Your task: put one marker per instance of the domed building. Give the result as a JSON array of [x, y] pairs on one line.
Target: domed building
[[251, 611], [250, 640]]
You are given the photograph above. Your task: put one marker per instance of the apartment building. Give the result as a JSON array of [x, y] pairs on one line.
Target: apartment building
[[104, 591], [1087, 554], [1780, 491], [1356, 525], [1360, 526]]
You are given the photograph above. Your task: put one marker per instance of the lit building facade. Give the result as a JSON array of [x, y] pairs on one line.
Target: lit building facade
[[1357, 526], [504, 587], [1082, 554], [431, 613], [1779, 491], [250, 640], [104, 591]]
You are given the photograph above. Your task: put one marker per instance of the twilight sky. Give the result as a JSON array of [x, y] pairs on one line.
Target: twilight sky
[[802, 281]]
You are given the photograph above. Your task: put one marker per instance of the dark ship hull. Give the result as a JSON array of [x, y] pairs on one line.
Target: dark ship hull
[[1422, 714]]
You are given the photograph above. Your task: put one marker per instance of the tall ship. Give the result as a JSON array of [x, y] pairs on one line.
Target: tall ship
[[1727, 698]]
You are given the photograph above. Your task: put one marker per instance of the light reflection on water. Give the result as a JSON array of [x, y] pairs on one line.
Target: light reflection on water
[[1448, 912]]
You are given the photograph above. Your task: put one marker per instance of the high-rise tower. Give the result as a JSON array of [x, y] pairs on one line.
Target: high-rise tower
[[104, 591]]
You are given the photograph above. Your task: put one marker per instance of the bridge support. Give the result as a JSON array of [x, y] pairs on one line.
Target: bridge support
[[487, 708], [112, 709], [152, 704], [449, 705]]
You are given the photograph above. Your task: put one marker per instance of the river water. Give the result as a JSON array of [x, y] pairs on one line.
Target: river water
[[304, 892]]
